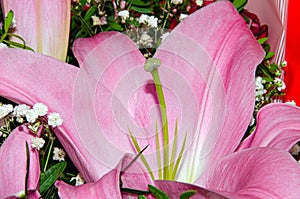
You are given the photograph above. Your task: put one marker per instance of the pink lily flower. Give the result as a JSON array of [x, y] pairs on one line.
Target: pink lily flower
[[44, 25], [45, 28], [215, 90]]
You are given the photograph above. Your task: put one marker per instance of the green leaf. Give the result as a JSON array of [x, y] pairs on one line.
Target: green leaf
[[269, 55], [83, 2], [138, 149], [140, 3], [16, 44], [187, 194], [267, 47], [50, 176], [142, 197], [268, 79], [240, 4], [265, 71], [90, 13], [159, 194], [141, 10], [27, 168], [262, 40], [179, 158], [8, 20], [273, 67], [116, 26], [134, 191]]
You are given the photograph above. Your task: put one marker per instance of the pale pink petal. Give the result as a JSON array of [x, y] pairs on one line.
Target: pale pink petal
[[254, 173], [31, 195], [174, 189], [215, 55], [13, 164], [44, 25], [108, 186], [110, 77], [278, 126], [29, 78]]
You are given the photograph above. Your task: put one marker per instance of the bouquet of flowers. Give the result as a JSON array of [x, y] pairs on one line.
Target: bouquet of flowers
[[145, 99]]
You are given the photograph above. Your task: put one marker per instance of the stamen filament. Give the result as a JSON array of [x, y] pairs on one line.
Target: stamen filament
[[178, 159], [172, 162], [137, 147], [163, 112], [160, 175]]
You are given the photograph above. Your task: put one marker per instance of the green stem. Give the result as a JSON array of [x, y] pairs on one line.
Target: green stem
[[172, 161], [163, 112], [3, 37], [143, 159], [160, 176], [48, 155], [27, 170]]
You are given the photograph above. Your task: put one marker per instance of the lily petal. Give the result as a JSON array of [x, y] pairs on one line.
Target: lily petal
[[29, 78], [106, 187], [109, 185], [111, 73], [213, 45], [254, 173], [44, 25], [278, 126], [174, 189], [13, 164]]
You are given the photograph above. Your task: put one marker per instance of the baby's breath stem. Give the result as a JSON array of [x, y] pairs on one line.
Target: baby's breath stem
[[49, 152]]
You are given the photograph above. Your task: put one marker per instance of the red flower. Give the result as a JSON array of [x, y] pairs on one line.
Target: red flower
[[258, 30]]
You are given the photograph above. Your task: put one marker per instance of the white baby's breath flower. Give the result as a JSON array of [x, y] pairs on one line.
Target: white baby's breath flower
[[279, 83], [145, 40], [21, 110], [143, 19], [54, 120], [96, 20], [199, 2], [152, 22], [182, 16], [13, 23], [259, 89], [283, 64], [5, 109], [176, 1], [40, 108], [37, 143], [78, 180], [278, 73], [58, 154], [295, 150], [252, 121], [164, 36], [1, 133], [292, 103], [31, 115], [20, 194], [124, 14], [2, 45]]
